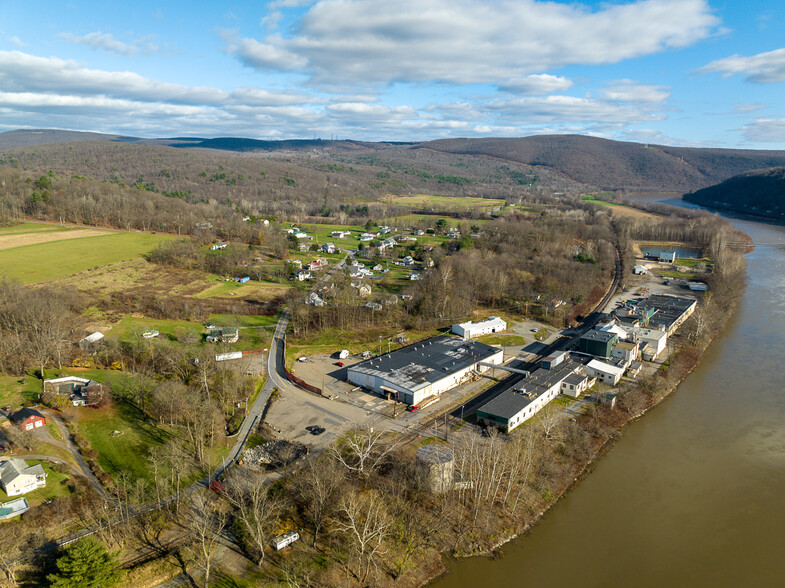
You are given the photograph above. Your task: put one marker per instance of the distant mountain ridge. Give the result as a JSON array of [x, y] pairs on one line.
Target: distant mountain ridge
[[591, 161], [758, 193]]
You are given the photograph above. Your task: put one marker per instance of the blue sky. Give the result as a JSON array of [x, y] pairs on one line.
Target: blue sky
[[676, 72]]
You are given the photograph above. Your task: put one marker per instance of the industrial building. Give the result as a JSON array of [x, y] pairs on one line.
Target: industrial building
[[670, 312], [597, 343], [523, 400], [493, 324], [425, 369]]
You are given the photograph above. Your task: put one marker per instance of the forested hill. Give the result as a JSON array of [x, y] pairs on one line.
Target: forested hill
[[760, 193], [616, 165], [558, 161]]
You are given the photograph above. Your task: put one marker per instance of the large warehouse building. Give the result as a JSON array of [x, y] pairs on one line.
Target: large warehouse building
[[427, 368]]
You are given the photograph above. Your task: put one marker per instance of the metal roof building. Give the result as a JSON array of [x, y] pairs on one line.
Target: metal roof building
[[427, 368]]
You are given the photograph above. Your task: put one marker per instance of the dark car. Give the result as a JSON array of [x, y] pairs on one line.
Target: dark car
[[339, 363], [310, 428], [318, 430]]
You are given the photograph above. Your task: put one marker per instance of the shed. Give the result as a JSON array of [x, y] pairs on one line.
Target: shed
[[640, 270]]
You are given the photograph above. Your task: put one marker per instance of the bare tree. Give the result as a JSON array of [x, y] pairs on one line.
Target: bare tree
[[204, 522], [317, 484], [363, 450], [365, 520], [257, 510]]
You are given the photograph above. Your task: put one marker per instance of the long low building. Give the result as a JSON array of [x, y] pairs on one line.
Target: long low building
[[427, 368], [493, 324], [523, 400]]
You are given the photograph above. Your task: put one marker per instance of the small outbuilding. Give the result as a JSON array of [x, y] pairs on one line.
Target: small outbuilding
[[28, 419], [285, 539], [640, 270], [492, 324]]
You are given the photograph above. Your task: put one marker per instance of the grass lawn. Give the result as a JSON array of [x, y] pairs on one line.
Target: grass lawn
[[675, 274], [322, 234], [542, 334], [48, 261], [692, 262], [55, 486], [99, 375], [221, 287], [503, 340], [128, 325], [594, 200], [240, 320], [26, 228], [13, 393], [128, 450]]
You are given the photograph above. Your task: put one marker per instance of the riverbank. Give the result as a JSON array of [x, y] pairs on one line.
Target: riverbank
[[636, 400]]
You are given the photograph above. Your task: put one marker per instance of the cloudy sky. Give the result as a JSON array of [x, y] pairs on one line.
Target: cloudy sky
[[677, 72]]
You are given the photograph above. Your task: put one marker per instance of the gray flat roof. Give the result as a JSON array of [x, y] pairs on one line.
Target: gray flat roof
[[595, 335], [668, 309], [420, 364], [512, 401]]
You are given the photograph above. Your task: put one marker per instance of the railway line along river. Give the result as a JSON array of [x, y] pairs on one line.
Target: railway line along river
[[693, 494]]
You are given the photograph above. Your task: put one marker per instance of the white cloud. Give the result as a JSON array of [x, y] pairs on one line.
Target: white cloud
[[629, 91], [372, 42], [567, 109], [742, 108], [763, 68], [16, 41], [106, 42], [536, 84], [765, 130]]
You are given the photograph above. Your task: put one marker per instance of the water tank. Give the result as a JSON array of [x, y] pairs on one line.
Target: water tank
[[438, 464]]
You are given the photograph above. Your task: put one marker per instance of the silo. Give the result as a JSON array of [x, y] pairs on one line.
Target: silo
[[438, 465]]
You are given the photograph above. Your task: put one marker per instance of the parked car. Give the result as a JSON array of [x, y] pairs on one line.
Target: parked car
[[7, 408], [318, 431], [412, 407], [339, 363]]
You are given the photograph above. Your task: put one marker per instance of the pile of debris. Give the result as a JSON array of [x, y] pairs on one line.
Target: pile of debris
[[274, 454]]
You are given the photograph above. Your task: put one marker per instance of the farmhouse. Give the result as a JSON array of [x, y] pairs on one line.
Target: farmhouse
[[28, 419], [80, 391], [16, 477], [224, 335], [428, 368], [328, 248], [492, 324]]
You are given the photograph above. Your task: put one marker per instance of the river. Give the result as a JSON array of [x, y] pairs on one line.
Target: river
[[694, 492]]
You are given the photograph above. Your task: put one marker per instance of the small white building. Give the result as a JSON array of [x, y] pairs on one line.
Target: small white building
[[604, 372], [492, 324], [314, 299], [285, 539], [640, 270], [303, 275], [575, 384], [151, 334], [16, 477], [91, 340], [328, 248]]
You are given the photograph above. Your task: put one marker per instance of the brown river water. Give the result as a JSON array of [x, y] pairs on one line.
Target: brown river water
[[693, 494]]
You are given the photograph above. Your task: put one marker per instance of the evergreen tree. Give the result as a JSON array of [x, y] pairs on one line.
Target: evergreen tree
[[86, 564]]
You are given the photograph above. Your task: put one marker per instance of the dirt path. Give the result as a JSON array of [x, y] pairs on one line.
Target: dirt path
[[11, 241]]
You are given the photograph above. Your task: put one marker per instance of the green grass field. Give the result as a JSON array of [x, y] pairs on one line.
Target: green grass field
[[594, 200], [13, 393], [448, 203], [128, 326], [127, 451], [32, 264], [239, 320], [500, 339], [26, 228]]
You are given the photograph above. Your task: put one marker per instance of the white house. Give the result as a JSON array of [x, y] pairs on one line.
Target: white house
[[314, 299], [303, 275], [604, 372], [492, 324], [328, 248], [16, 477]]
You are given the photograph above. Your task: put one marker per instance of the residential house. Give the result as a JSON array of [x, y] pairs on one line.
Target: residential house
[[363, 289], [16, 477], [377, 268], [80, 391], [415, 276], [408, 261], [340, 234], [328, 248], [373, 305], [28, 419], [367, 237], [314, 299], [387, 244], [303, 275], [224, 335], [217, 246]]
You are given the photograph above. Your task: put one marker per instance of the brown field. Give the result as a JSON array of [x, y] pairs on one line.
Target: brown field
[[11, 241]]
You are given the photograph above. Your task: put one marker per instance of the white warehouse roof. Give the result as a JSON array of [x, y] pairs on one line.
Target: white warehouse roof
[[493, 324]]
